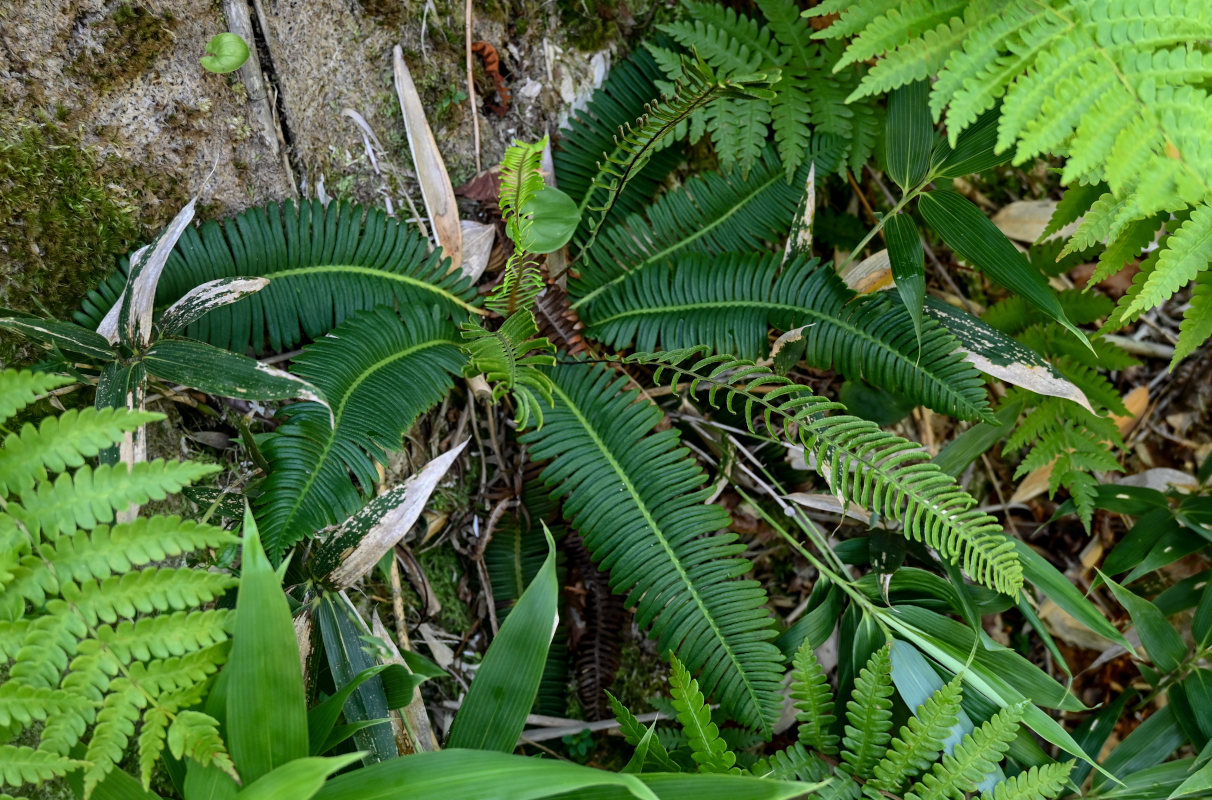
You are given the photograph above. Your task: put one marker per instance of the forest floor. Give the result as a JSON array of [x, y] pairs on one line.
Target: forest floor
[[113, 91]]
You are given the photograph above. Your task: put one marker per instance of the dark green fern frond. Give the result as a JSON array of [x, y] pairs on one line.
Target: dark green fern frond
[[921, 740], [637, 500], [711, 213], [808, 99], [509, 357], [813, 701], [861, 463], [636, 143], [869, 715], [379, 372], [707, 749], [977, 755], [324, 264], [729, 304], [620, 100], [94, 638]]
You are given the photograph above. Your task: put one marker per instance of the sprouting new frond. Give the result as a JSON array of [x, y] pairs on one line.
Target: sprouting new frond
[[325, 264], [921, 740], [521, 181], [636, 499], [379, 372], [19, 389], [509, 357], [62, 442], [861, 463], [813, 701], [869, 715], [635, 144], [92, 637], [729, 303], [707, 749], [976, 756]]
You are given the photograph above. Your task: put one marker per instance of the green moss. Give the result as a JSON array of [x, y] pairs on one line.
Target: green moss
[[132, 39], [66, 215], [590, 25]]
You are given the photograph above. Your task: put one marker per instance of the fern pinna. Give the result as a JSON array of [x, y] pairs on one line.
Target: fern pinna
[[93, 635], [1119, 87], [937, 755], [807, 100]]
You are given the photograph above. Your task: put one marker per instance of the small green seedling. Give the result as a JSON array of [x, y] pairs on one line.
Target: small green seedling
[[228, 52]]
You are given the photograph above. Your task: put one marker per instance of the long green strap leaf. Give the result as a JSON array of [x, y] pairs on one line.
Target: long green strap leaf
[[494, 711], [266, 706]]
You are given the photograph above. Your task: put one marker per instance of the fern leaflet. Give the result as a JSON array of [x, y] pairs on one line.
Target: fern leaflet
[[813, 701], [707, 749], [869, 715]]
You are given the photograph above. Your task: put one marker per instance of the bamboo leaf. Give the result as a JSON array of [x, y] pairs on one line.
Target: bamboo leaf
[[67, 336], [201, 299], [977, 240], [215, 371], [909, 134], [908, 266]]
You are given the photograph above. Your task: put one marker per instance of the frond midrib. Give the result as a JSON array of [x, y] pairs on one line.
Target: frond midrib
[[380, 275], [338, 411], [704, 611], [805, 312], [682, 241]]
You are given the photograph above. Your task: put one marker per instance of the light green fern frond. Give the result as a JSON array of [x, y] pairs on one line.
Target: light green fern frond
[[976, 756], [508, 357], [92, 635], [89, 497], [19, 389], [61, 442], [869, 715], [813, 701], [1037, 782], [707, 749], [861, 463], [1197, 322], [1118, 87], [921, 740], [521, 181]]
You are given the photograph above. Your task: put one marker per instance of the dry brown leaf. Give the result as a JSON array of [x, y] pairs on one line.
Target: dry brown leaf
[[431, 169], [871, 274]]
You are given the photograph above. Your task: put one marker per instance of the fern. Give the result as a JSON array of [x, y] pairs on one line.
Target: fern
[[1119, 87], [325, 264], [729, 303], [635, 144], [711, 213], [870, 765], [707, 749], [807, 97], [591, 132], [813, 701], [861, 463], [520, 182], [636, 499], [92, 636], [869, 715], [919, 742], [379, 372], [975, 757], [510, 357]]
